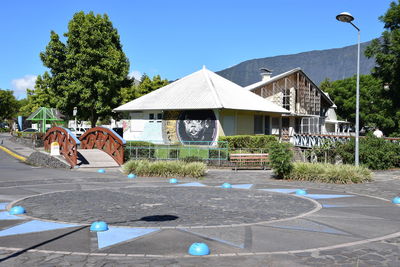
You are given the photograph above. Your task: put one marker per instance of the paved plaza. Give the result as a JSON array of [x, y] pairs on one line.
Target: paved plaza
[[258, 222]]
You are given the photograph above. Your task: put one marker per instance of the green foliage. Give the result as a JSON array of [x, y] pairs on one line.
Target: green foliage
[[249, 141], [139, 143], [145, 86], [192, 159], [329, 173], [386, 51], [375, 106], [8, 105], [281, 156], [375, 153], [165, 168], [88, 71]]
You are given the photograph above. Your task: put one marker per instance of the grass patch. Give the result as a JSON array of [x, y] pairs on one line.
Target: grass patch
[[165, 168], [329, 173]]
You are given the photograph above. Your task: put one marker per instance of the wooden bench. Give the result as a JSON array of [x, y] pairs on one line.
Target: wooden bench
[[249, 160]]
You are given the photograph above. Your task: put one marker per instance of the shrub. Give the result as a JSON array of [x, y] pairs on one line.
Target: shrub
[[281, 157], [165, 168], [192, 159], [375, 153], [329, 173], [249, 141], [139, 144]]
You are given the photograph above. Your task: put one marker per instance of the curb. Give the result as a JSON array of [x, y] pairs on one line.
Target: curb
[[15, 155]]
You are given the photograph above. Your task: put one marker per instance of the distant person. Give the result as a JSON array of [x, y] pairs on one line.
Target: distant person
[[378, 133]]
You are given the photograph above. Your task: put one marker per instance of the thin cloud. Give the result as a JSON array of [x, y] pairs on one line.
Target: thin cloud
[[21, 84], [135, 74]]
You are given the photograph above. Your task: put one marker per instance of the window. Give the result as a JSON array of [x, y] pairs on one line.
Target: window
[[258, 124], [151, 116], [312, 125], [159, 116]]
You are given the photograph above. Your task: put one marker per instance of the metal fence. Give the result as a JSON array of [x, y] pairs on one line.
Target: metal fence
[[190, 151], [316, 155]]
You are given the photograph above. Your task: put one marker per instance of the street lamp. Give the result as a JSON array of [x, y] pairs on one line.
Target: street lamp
[[348, 18], [74, 112]]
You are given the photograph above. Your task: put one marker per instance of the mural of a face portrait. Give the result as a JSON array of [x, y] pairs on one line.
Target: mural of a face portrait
[[196, 125]]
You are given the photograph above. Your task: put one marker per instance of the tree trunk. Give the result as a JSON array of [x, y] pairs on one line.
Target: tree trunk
[[93, 119]]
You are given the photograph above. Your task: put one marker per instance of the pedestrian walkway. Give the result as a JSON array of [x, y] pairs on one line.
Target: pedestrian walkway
[[19, 149]]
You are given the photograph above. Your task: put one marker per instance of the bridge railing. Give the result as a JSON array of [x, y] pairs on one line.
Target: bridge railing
[[105, 139], [67, 141], [312, 140], [316, 140]]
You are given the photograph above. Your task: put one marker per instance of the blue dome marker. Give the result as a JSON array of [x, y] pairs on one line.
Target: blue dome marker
[[16, 210], [226, 185], [396, 200], [173, 181], [301, 192], [101, 171], [99, 226], [131, 176], [199, 249]]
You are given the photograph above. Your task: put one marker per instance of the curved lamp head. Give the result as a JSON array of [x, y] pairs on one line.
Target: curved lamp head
[[345, 17]]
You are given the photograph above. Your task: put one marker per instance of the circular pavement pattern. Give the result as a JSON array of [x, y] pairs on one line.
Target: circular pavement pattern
[[166, 206]]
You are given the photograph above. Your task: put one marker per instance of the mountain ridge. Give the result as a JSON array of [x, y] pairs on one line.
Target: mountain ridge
[[333, 63]]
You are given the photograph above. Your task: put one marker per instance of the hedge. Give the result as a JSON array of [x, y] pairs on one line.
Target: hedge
[[375, 153], [329, 173], [249, 141], [165, 168]]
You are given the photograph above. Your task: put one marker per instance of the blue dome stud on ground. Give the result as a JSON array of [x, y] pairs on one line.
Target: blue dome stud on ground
[[99, 226], [131, 176], [199, 249], [101, 171], [226, 185], [301, 192], [16, 210], [396, 200], [173, 181]]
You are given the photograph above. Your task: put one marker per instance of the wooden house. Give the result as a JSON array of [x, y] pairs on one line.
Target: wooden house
[[309, 106]]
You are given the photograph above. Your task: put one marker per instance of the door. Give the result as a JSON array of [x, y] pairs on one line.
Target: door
[[228, 124]]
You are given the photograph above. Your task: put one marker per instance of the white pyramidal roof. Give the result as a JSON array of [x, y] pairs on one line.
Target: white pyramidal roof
[[202, 90]]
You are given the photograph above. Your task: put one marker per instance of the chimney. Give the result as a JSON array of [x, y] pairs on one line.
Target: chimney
[[265, 74]]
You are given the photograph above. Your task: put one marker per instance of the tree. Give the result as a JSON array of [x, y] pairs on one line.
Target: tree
[[42, 96], [87, 72], [145, 86], [8, 105], [375, 106], [386, 51]]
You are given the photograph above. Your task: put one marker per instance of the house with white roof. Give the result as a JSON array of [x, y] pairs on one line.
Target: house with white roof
[[199, 108]]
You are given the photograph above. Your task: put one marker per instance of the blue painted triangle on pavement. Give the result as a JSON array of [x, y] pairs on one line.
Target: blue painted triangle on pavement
[[115, 235], [192, 184], [242, 186], [34, 226], [4, 215], [309, 226], [326, 196], [281, 190]]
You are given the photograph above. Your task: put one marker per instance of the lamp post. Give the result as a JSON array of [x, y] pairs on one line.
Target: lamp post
[[348, 18], [75, 111]]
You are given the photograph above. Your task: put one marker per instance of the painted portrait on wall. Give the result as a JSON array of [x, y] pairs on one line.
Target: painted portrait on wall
[[196, 125]]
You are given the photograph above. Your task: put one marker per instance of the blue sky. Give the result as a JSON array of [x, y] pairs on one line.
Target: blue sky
[[177, 37]]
